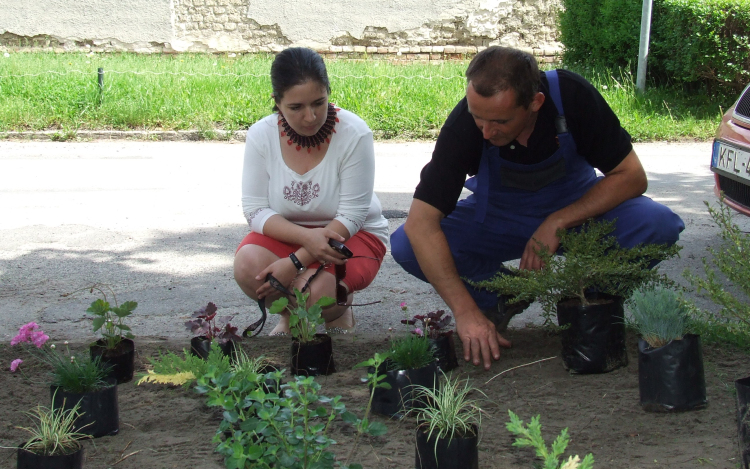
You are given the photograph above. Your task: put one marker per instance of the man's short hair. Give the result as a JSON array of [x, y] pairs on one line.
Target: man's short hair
[[498, 69]]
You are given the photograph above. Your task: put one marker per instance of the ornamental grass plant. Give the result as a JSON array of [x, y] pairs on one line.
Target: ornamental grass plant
[[448, 411], [658, 315], [52, 433]]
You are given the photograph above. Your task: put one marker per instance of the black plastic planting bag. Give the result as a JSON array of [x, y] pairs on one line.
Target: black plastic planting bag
[[743, 419], [313, 358], [400, 398], [448, 453], [99, 410], [594, 342], [671, 377]]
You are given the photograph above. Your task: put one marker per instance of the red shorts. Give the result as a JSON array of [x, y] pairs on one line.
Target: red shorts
[[360, 271]]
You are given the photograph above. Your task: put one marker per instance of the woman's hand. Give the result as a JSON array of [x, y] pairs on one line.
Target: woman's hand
[[316, 244], [282, 270]]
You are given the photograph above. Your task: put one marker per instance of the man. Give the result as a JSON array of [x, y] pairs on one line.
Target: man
[[533, 140]]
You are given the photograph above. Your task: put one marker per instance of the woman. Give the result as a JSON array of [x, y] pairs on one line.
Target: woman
[[308, 178]]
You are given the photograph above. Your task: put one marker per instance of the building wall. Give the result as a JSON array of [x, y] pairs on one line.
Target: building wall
[[414, 28]]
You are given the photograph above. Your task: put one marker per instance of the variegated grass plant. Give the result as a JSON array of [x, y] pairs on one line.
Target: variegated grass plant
[[447, 411], [659, 315], [52, 433], [410, 353]]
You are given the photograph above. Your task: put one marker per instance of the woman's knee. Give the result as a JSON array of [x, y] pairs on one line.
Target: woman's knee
[[249, 261]]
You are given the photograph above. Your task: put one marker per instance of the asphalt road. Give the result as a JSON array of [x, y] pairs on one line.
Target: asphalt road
[[159, 222]]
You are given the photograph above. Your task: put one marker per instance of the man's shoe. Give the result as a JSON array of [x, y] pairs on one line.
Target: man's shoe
[[503, 312]]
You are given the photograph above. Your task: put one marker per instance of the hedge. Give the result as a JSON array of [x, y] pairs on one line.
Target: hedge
[[692, 41]]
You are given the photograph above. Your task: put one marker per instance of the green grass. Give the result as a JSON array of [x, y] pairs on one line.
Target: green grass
[[47, 91]]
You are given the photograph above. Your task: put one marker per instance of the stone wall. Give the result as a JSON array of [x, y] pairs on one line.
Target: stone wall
[[404, 29]]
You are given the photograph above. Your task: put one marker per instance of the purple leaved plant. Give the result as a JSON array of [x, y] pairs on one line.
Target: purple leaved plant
[[433, 324], [206, 324]]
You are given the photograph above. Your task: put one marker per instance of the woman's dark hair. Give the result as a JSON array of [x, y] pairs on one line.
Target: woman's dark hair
[[295, 66], [498, 69]]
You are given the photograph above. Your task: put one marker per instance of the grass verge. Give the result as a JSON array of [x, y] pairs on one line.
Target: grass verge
[[48, 91]]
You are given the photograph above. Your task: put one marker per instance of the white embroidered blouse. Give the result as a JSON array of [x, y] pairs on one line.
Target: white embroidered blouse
[[340, 187]]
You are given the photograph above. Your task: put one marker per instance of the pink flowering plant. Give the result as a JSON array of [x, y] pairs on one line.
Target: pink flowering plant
[[433, 324], [206, 324], [75, 375]]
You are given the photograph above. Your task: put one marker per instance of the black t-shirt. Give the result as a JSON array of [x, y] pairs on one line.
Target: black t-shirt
[[594, 126]]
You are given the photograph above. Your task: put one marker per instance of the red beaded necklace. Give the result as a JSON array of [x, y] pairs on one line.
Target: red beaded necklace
[[322, 135]]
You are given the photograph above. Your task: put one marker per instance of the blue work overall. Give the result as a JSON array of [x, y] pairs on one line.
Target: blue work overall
[[510, 201]]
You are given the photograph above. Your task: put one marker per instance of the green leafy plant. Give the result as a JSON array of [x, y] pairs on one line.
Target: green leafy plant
[[531, 436], [410, 352], [109, 319], [303, 320], [52, 433], [659, 315], [289, 430], [447, 411], [730, 262], [592, 261]]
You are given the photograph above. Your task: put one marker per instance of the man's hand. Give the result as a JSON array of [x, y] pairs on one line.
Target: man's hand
[[544, 236], [480, 339]]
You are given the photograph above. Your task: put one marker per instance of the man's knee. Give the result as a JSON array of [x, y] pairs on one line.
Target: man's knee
[[643, 221]]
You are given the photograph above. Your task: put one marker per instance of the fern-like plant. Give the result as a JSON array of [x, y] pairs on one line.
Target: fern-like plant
[[592, 261], [659, 315], [730, 262], [531, 436]]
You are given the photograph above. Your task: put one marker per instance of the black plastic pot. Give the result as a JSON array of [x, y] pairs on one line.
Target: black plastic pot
[[395, 402], [201, 346], [28, 460], [121, 358], [100, 412], [594, 342], [313, 358], [671, 377], [445, 352], [459, 452], [743, 419]]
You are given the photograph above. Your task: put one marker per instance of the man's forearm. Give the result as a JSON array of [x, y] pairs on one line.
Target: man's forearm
[[431, 249]]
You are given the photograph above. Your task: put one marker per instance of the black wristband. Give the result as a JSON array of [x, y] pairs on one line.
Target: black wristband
[[297, 264]]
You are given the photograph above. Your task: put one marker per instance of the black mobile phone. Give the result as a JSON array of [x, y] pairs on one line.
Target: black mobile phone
[[340, 248]]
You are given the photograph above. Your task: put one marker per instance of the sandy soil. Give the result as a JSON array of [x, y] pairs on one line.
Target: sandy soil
[[164, 427]]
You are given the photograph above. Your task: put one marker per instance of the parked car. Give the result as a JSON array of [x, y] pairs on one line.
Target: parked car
[[730, 159]]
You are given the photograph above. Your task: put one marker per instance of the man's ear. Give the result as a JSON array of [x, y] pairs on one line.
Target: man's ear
[[537, 101]]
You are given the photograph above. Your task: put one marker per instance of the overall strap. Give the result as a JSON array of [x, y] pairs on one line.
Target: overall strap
[[561, 124]]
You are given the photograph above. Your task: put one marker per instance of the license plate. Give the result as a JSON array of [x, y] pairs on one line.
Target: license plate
[[730, 161]]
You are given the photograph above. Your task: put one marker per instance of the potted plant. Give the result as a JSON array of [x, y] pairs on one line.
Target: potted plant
[[586, 287], [80, 382], [670, 361], [410, 362], [116, 346], [208, 328], [448, 424], [54, 442], [434, 325], [312, 353]]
